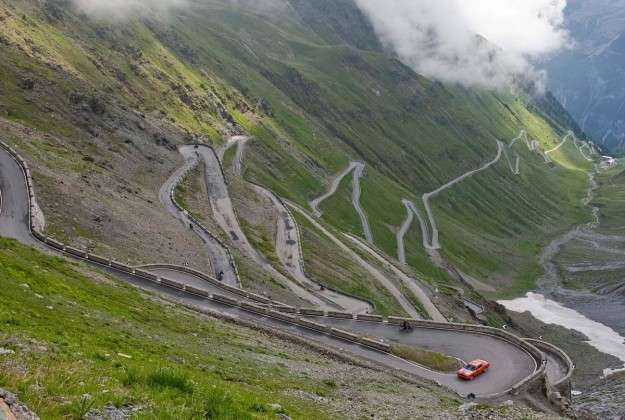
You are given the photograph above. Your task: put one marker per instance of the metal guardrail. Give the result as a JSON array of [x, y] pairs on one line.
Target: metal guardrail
[[538, 375], [204, 228], [301, 250], [560, 353]]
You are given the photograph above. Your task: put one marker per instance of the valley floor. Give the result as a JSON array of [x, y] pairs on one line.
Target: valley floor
[[582, 290]]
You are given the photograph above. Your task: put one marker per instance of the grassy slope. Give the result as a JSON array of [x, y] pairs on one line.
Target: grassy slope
[[610, 198], [314, 98], [199, 365], [327, 264], [414, 145], [430, 359]]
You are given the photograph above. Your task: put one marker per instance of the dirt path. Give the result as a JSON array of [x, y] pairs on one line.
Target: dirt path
[[288, 242], [414, 285], [226, 218], [403, 230], [381, 278], [356, 192]]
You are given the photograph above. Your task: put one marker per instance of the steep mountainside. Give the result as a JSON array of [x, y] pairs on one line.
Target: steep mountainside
[[588, 79], [456, 187], [112, 99]]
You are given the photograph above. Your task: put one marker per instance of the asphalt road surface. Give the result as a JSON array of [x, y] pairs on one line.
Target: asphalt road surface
[[218, 255], [226, 218], [288, 241], [510, 363]]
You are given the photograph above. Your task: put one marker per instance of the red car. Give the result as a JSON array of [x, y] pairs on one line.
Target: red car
[[473, 369]]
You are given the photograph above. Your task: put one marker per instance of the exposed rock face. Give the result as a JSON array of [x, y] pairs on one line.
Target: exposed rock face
[[605, 400], [11, 408], [590, 78], [111, 412]]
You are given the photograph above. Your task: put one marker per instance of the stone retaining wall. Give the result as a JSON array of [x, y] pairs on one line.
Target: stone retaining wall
[[562, 384]]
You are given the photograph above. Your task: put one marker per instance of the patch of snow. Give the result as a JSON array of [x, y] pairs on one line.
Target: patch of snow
[[600, 336]]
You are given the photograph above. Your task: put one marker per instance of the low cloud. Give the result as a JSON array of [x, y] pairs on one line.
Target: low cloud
[[488, 43], [123, 9]]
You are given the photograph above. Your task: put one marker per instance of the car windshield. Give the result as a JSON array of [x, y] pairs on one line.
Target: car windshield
[[470, 368]]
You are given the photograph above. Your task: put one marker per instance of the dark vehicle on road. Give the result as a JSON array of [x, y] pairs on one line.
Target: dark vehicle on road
[[473, 370]]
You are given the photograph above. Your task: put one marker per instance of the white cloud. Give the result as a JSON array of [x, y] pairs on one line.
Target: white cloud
[[439, 38], [121, 9]]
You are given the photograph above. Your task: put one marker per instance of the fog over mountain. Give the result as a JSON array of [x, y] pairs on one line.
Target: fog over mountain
[[438, 39], [120, 9]]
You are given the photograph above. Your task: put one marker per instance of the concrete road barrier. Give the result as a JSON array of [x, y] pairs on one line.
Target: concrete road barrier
[[344, 334], [280, 315], [122, 267], [253, 308], [234, 290], [197, 292], [375, 344], [371, 318], [146, 274], [225, 299], [98, 259], [395, 320], [39, 235], [285, 309], [341, 315], [173, 284], [563, 383], [312, 325], [76, 252], [258, 298], [55, 244], [311, 312]]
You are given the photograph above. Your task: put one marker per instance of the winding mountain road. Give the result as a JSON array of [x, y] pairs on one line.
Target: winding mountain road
[[415, 286], [434, 242], [356, 193], [576, 142], [403, 230], [219, 258], [513, 361], [226, 218], [334, 185], [358, 169], [379, 276], [288, 241]]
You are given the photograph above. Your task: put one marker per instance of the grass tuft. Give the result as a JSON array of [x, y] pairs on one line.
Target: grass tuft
[[433, 360], [170, 378]]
